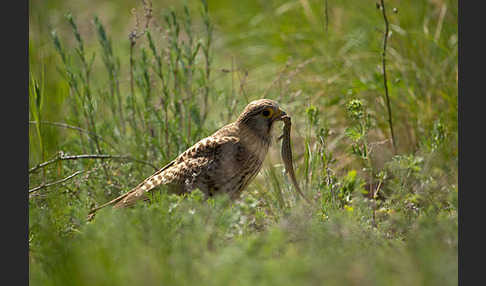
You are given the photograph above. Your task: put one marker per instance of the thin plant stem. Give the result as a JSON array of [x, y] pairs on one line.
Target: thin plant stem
[[62, 157], [385, 80], [79, 129], [326, 14], [132, 89], [207, 57], [45, 185]]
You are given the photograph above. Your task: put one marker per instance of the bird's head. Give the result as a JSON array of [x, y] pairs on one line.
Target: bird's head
[[259, 116]]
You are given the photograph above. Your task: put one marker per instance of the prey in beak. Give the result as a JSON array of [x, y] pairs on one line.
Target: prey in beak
[[279, 115]]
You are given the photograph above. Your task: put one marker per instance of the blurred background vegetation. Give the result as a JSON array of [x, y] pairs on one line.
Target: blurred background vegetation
[[117, 89]]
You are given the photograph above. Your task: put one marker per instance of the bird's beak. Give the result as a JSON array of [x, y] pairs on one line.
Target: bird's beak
[[279, 115]]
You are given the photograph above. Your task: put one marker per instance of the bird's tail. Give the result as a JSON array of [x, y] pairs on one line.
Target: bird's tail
[[93, 211], [135, 194]]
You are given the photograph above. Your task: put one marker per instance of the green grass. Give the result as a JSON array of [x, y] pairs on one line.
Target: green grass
[[379, 218]]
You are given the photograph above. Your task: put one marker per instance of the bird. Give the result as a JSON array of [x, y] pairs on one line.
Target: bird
[[224, 162]]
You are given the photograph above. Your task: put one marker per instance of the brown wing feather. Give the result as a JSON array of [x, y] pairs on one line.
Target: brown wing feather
[[185, 173], [182, 173]]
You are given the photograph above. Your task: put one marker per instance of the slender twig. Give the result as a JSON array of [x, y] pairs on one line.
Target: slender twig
[[55, 182], [385, 80], [64, 125], [277, 79], [132, 90], [235, 98], [242, 85], [326, 13], [373, 196], [133, 36], [81, 130], [62, 157], [207, 56], [443, 11]]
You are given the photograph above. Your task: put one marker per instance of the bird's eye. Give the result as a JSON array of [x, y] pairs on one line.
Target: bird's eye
[[267, 113]]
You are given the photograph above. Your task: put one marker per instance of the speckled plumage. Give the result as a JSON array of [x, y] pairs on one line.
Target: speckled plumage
[[225, 162]]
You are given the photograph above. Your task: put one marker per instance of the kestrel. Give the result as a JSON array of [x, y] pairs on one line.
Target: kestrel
[[225, 162]]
